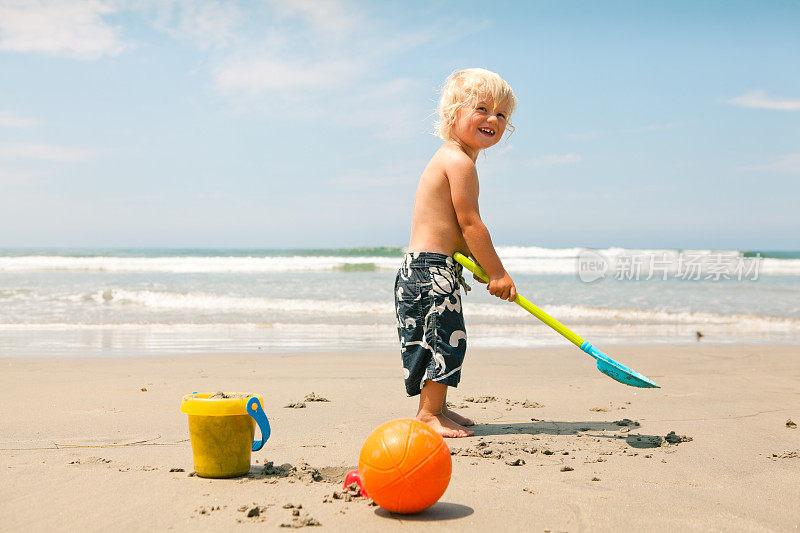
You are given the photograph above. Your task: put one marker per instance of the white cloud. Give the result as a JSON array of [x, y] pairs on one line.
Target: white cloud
[[323, 58], [503, 148], [45, 152], [312, 46], [329, 17], [760, 100], [326, 60], [255, 75], [504, 158], [785, 164], [59, 27], [13, 176], [319, 46], [650, 127], [207, 24], [588, 136], [11, 120], [394, 109], [403, 172], [291, 54], [591, 135], [360, 181], [554, 159]]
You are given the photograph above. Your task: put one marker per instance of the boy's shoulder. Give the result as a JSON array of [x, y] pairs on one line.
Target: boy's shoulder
[[453, 160]]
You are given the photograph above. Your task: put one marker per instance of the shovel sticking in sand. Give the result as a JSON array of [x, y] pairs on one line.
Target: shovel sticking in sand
[[605, 364]]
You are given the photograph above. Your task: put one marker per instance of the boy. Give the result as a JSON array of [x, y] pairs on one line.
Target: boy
[[474, 111]]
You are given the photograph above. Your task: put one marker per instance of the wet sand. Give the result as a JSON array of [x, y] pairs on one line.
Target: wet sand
[[94, 444]]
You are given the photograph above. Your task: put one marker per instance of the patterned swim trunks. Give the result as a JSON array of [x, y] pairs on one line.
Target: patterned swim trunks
[[430, 324]]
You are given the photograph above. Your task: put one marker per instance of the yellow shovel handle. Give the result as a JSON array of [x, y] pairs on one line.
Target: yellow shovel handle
[[523, 302]]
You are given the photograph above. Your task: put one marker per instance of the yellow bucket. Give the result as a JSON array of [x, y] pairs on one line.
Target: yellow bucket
[[221, 427]]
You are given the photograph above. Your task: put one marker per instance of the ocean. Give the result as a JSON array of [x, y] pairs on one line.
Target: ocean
[[152, 302]]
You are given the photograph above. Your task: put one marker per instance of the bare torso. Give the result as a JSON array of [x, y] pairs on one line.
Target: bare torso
[[434, 225]]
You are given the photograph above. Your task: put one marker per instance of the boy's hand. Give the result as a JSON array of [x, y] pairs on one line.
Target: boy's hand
[[503, 288], [476, 278]]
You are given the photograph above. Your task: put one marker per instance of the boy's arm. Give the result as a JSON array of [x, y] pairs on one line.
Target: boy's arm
[[463, 180]]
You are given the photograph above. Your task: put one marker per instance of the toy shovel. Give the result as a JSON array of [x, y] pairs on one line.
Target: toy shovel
[[605, 364]]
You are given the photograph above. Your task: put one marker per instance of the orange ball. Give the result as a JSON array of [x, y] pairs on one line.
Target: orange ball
[[405, 466]]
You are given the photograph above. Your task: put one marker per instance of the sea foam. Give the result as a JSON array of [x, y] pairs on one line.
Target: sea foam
[[519, 260]]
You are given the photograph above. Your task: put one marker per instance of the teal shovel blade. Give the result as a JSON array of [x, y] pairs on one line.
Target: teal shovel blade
[[617, 371]]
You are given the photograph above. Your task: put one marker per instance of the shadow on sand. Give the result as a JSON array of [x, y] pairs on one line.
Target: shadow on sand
[[437, 513], [553, 427]]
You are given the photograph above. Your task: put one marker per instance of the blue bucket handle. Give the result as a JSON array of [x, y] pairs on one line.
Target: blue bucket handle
[[257, 412]]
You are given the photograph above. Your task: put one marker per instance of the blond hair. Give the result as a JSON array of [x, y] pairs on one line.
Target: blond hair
[[466, 88]]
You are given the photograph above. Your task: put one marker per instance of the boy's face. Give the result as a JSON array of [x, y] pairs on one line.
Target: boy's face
[[482, 126]]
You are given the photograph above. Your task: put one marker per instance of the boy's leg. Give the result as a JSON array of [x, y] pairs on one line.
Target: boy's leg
[[452, 415], [431, 400]]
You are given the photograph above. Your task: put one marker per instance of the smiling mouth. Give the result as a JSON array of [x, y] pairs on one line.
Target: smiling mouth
[[487, 131]]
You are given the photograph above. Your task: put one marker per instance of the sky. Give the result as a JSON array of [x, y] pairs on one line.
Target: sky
[[306, 123]]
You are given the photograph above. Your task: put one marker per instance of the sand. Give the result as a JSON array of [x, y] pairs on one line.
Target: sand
[[559, 446]]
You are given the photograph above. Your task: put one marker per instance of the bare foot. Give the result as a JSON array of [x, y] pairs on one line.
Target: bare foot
[[457, 418], [444, 426]]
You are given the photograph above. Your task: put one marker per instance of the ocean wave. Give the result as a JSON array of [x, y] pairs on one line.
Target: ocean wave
[[517, 259], [483, 329], [359, 251], [144, 340], [42, 339], [215, 302], [318, 309], [188, 265]]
